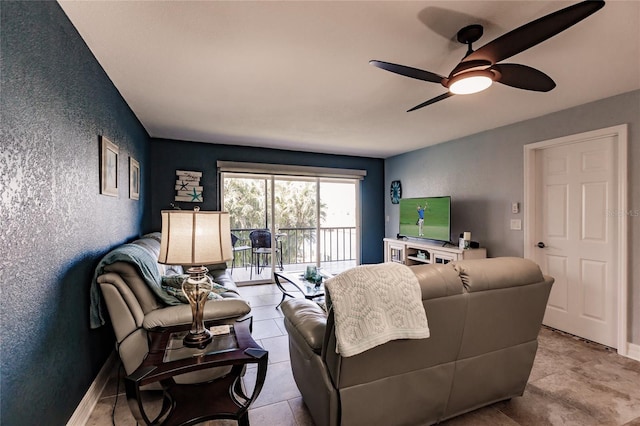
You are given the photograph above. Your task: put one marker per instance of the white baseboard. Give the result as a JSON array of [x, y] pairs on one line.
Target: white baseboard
[[88, 403], [633, 351]]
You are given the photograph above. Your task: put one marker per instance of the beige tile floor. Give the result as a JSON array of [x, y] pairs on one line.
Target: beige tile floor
[[573, 382]]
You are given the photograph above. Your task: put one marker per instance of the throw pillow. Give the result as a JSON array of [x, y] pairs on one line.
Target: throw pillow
[[172, 284]]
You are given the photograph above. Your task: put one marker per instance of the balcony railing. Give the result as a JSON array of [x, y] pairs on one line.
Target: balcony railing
[[298, 245]]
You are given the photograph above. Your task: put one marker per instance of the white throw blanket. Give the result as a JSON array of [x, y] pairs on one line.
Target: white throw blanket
[[373, 304]]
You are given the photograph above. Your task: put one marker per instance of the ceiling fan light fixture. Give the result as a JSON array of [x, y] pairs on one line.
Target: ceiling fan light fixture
[[471, 82]]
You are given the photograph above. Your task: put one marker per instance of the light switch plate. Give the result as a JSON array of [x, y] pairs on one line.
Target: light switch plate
[[515, 208], [516, 224]]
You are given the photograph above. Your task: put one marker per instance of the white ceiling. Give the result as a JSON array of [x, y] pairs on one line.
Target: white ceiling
[[295, 74]]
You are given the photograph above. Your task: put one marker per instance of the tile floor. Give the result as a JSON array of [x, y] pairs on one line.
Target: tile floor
[[573, 382]]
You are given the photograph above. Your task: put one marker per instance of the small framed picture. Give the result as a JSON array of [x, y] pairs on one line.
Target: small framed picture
[[108, 167], [134, 179]]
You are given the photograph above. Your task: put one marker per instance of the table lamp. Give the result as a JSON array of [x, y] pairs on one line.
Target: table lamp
[[196, 238]]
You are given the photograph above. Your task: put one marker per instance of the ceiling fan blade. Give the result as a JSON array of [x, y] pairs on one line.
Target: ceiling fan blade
[[431, 101], [529, 35], [408, 71], [524, 77]]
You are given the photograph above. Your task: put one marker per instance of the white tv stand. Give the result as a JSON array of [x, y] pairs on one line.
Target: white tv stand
[[412, 252]]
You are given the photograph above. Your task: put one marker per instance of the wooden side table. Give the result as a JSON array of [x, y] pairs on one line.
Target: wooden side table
[[186, 404]]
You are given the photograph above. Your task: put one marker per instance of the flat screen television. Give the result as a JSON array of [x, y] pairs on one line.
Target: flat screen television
[[426, 217]]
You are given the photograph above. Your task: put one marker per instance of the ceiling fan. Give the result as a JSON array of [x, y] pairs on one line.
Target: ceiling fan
[[480, 68]]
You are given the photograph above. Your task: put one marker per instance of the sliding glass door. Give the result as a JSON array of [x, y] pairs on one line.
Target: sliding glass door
[[296, 213], [308, 221], [338, 224], [248, 199]]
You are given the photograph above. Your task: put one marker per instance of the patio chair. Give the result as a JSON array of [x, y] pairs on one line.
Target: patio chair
[[242, 248], [260, 247]]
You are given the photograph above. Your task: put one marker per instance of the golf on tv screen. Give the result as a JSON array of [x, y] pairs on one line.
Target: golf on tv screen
[[426, 217]]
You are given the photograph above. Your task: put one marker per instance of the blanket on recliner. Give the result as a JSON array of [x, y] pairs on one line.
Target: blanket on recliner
[[373, 304], [146, 264]]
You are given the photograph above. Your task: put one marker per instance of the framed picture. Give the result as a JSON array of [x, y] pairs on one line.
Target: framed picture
[[134, 179], [108, 167]]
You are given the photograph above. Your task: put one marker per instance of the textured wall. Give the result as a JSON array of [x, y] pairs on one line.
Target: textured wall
[[55, 225], [484, 174], [168, 156]]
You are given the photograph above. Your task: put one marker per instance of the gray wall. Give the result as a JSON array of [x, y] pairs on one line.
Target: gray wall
[[484, 174], [54, 223]]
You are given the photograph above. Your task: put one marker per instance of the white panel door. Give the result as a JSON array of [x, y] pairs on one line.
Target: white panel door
[[576, 191]]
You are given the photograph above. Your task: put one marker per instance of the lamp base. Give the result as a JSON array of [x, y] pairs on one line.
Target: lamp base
[[197, 288], [197, 340]]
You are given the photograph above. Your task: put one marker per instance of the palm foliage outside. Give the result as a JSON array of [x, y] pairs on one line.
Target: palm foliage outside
[[248, 202]]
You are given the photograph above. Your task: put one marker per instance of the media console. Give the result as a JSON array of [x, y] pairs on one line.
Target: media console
[[411, 252]]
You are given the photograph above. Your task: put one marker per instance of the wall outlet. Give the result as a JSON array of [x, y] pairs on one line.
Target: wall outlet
[[516, 224], [515, 208]]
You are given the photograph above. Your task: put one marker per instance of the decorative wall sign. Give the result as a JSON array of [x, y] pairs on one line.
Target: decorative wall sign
[[188, 187], [134, 179], [108, 167], [396, 192]]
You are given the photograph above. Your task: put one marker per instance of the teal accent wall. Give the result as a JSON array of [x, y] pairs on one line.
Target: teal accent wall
[[484, 174], [167, 156], [54, 224]]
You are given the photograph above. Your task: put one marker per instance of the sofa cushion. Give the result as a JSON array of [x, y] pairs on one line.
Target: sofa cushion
[[308, 319], [437, 280], [499, 272], [181, 314]]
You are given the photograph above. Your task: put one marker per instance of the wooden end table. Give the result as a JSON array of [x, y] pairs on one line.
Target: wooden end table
[[187, 404]]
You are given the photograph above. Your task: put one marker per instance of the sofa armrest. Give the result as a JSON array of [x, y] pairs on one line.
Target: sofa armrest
[[181, 314], [308, 319], [498, 272], [124, 310]]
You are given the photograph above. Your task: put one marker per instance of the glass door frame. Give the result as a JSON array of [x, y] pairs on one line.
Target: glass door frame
[[271, 207]]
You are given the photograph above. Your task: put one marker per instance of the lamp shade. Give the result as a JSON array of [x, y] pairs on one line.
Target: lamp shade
[[195, 237]]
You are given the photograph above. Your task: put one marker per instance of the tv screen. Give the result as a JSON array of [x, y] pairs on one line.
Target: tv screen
[[426, 217]]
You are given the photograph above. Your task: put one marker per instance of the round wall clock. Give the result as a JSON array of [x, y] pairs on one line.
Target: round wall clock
[[396, 192]]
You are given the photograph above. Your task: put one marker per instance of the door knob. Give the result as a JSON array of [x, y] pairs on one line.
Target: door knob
[[541, 244]]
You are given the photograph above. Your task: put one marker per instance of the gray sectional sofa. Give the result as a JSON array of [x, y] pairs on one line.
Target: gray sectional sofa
[[134, 307]]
